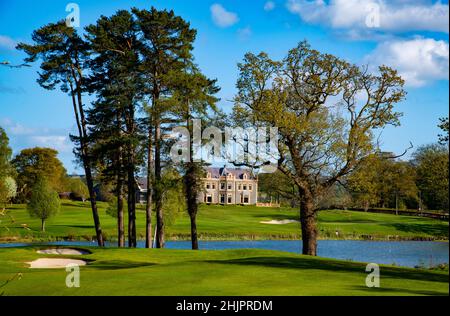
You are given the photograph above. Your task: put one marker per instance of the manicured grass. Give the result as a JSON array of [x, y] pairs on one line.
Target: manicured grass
[[207, 273], [227, 223]]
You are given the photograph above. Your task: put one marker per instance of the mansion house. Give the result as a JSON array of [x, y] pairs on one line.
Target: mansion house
[[229, 186]]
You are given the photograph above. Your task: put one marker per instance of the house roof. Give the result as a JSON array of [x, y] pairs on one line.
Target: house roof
[[216, 173], [142, 183]]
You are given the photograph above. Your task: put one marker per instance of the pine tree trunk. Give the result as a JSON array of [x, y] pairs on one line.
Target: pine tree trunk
[[308, 224], [82, 129], [131, 204], [90, 185], [194, 237], [120, 217], [158, 190], [43, 225], [192, 203], [148, 209]]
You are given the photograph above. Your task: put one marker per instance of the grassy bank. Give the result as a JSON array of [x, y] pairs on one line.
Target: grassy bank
[[226, 223], [235, 272]]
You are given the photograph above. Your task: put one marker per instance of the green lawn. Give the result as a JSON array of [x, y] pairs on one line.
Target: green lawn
[[231, 272], [226, 223]]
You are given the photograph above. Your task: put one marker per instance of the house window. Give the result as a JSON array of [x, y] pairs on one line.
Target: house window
[[230, 186], [245, 177], [222, 186], [250, 187], [213, 186], [208, 186], [209, 198], [246, 199], [230, 199], [209, 175], [222, 199], [239, 187], [245, 187]]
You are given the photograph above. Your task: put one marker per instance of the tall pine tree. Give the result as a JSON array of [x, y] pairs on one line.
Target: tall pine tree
[[166, 42], [63, 54]]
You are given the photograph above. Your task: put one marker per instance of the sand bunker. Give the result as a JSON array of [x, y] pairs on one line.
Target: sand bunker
[[283, 222], [45, 263], [63, 251]]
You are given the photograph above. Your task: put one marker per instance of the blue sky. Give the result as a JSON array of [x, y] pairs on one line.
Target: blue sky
[[409, 35]]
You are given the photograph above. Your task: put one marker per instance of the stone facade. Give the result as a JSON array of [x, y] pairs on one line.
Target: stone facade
[[229, 187]]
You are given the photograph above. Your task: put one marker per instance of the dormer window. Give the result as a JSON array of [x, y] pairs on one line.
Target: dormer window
[[245, 176], [208, 175]]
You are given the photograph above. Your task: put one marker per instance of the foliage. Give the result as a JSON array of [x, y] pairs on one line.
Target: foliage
[[44, 202], [8, 189], [326, 111], [335, 197], [384, 182], [32, 164], [174, 202], [111, 210], [78, 188], [5, 154], [444, 126], [277, 186], [432, 165]]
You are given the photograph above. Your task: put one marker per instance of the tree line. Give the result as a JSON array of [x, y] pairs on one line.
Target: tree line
[[420, 183]]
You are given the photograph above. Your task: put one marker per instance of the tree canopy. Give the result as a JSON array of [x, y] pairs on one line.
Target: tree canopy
[[44, 202], [34, 163], [432, 164], [326, 111]]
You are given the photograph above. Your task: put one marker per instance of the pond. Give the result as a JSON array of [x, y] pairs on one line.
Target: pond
[[405, 253]]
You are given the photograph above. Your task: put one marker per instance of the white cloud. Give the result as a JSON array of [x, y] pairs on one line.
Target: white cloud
[[60, 143], [27, 137], [222, 17], [379, 15], [245, 33], [419, 61], [269, 6], [7, 42]]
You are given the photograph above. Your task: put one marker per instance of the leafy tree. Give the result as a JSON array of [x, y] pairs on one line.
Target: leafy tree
[[112, 209], [432, 163], [5, 154], [444, 126], [326, 111], [35, 163], [10, 186], [385, 182], [279, 187], [8, 190], [44, 202], [63, 53], [363, 185], [78, 188], [174, 202]]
